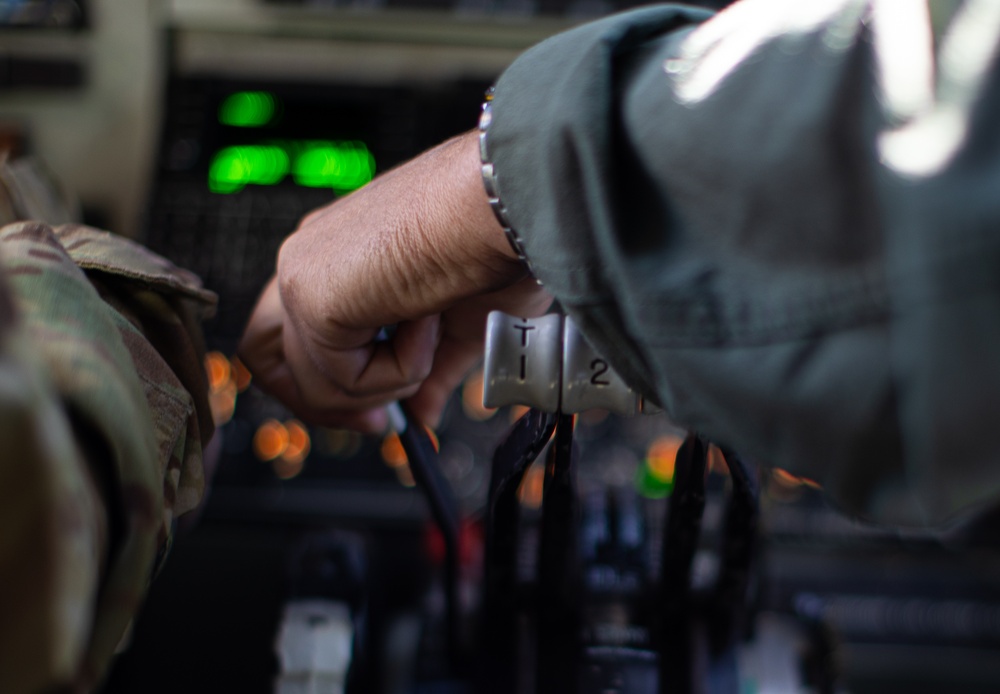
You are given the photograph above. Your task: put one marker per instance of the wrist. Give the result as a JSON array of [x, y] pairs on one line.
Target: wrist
[[481, 240]]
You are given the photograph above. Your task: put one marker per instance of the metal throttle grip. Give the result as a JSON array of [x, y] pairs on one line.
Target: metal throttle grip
[[546, 363]]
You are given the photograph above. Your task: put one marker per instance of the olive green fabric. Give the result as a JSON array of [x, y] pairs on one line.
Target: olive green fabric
[[103, 417], [714, 201]]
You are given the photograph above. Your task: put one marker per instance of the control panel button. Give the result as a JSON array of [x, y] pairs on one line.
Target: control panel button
[[523, 361], [589, 382]]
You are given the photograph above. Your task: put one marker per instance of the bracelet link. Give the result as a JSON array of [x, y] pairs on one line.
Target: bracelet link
[[492, 189]]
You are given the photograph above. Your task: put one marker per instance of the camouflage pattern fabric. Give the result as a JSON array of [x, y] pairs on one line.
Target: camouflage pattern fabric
[[103, 417]]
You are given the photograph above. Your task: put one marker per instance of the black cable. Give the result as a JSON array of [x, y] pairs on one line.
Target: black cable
[[558, 594], [423, 460], [679, 655], [738, 553], [511, 460]]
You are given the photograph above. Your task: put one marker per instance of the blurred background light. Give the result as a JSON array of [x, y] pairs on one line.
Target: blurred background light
[[343, 166], [299, 442], [247, 109], [234, 167], [655, 476], [222, 387], [340, 166], [270, 440], [530, 492], [472, 398]]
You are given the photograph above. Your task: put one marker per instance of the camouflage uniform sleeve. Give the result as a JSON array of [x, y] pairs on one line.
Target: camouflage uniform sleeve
[[103, 415]]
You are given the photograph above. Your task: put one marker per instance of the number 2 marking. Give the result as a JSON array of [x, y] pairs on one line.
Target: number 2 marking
[[602, 368]]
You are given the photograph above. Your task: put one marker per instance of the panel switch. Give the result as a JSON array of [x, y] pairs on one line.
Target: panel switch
[[546, 363], [523, 361], [589, 382]]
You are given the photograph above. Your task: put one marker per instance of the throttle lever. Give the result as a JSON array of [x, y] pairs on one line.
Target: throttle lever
[[547, 363]]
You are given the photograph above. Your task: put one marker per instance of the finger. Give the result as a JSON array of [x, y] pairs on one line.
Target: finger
[[260, 345], [262, 350], [337, 413], [317, 386], [455, 359], [406, 359], [377, 370], [373, 421]]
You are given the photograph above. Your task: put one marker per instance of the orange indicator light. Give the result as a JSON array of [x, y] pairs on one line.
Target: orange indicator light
[[271, 440]]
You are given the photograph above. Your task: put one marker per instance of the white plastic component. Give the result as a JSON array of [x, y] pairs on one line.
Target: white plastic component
[[588, 380], [314, 646], [523, 361]]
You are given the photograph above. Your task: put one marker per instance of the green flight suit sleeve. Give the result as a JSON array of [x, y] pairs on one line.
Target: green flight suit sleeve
[[706, 197]]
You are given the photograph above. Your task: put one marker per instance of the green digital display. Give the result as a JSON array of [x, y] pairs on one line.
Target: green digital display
[[247, 109], [337, 165], [342, 166], [234, 167]]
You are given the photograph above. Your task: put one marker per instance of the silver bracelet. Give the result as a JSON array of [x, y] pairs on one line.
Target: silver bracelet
[[490, 183]]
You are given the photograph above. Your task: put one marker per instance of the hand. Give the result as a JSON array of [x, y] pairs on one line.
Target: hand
[[417, 248]]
